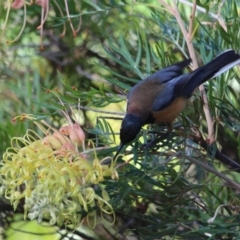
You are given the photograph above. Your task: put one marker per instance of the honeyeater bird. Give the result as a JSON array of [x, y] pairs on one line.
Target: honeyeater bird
[[162, 96]]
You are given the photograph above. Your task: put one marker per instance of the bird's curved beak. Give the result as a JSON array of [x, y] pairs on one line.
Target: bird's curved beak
[[118, 151]]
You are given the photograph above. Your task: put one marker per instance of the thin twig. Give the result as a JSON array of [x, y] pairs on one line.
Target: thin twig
[[212, 170], [192, 16], [200, 9], [198, 139], [101, 111], [206, 108], [185, 34], [218, 17], [167, 6]]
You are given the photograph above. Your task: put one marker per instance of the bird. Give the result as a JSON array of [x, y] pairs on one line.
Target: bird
[[162, 96]]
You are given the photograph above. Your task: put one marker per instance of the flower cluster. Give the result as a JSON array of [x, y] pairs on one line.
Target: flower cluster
[[55, 180]]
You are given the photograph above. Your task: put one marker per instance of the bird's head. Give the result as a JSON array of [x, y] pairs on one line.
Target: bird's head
[[131, 125]]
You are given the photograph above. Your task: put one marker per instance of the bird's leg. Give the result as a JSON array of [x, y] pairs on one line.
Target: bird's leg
[[169, 127]]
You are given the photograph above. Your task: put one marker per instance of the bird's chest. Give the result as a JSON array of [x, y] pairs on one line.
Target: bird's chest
[[170, 113]]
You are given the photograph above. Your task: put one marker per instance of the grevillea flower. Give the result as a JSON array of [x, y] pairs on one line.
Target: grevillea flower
[[56, 182], [74, 132]]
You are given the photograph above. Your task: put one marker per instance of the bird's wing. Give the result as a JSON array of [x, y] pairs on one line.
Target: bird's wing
[[171, 72], [160, 85], [164, 98]]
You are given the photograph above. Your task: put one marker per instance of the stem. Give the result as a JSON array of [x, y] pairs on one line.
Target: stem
[[61, 13], [212, 170], [188, 38], [190, 28], [167, 7], [23, 26], [69, 18]]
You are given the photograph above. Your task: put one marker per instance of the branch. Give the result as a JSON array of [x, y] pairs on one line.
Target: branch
[[190, 28], [100, 111], [212, 15], [212, 170], [198, 139], [167, 6]]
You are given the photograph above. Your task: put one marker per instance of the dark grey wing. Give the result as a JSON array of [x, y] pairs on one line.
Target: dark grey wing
[[171, 72], [165, 98], [177, 87], [169, 76], [162, 76]]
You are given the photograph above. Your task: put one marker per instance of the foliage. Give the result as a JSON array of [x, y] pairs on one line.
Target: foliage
[[170, 185]]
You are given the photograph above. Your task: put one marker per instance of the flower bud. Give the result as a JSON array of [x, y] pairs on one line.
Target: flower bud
[[52, 141], [74, 132], [17, 4], [61, 137]]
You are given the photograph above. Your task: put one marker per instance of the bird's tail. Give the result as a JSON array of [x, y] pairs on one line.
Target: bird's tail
[[220, 64], [217, 66]]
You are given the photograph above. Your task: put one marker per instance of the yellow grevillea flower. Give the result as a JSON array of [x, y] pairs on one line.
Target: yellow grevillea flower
[[55, 181]]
